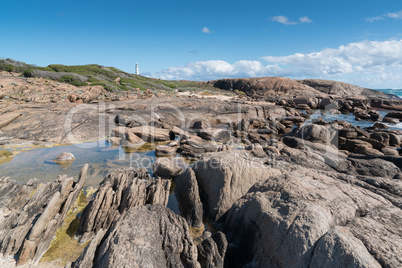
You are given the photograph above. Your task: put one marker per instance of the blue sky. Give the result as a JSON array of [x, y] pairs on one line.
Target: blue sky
[[353, 41]]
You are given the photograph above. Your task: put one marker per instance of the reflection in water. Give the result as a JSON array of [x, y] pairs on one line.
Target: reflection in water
[[101, 157]]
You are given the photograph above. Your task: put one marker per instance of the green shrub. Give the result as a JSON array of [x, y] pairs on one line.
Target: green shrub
[[28, 73], [77, 83], [67, 78], [92, 79]]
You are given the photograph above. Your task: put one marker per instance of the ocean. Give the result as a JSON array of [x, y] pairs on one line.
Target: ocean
[[397, 92]]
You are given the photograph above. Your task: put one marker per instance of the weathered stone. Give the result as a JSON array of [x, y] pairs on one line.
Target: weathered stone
[[144, 236], [280, 221], [168, 167], [195, 146], [211, 252], [64, 157], [314, 133], [130, 140], [348, 251], [225, 177], [366, 150], [215, 134], [162, 150], [389, 151], [30, 229], [119, 191], [188, 197], [151, 134], [394, 115], [114, 141]]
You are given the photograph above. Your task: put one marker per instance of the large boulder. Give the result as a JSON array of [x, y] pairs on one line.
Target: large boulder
[[225, 177], [146, 236], [285, 220], [188, 197], [314, 133]]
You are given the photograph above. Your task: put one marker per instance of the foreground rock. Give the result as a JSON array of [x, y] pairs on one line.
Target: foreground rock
[[188, 197], [211, 251], [225, 177], [147, 236], [64, 157], [168, 167], [119, 191], [30, 227], [313, 219]]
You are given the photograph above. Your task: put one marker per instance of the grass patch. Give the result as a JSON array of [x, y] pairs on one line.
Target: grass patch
[[64, 247], [4, 154]]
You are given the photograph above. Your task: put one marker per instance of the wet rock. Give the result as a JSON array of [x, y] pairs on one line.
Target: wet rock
[[211, 251], [168, 167], [380, 125], [64, 157], [394, 114], [187, 194], [390, 120], [30, 229], [119, 191], [225, 177], [280, 221], [114, 141], [144, 236]]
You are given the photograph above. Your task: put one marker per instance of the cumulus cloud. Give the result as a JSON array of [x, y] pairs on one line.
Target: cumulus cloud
[[285, 20], [206, 30], [372, 64], [395, 15]]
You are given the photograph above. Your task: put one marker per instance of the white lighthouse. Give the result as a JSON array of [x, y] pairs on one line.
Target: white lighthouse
[[136, 69]]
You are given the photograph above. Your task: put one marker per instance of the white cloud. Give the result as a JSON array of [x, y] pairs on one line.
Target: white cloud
[[395, 15], [215, 69], [305, 20], [372, 64], [285, 20], [206, 30]]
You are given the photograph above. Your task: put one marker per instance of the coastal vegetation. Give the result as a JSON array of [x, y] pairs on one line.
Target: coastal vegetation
[[110, 78]]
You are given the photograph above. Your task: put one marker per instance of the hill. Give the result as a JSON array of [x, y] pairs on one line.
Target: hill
[[112, 79]]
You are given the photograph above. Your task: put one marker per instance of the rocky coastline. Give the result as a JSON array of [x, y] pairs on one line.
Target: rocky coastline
[[274, 187]]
